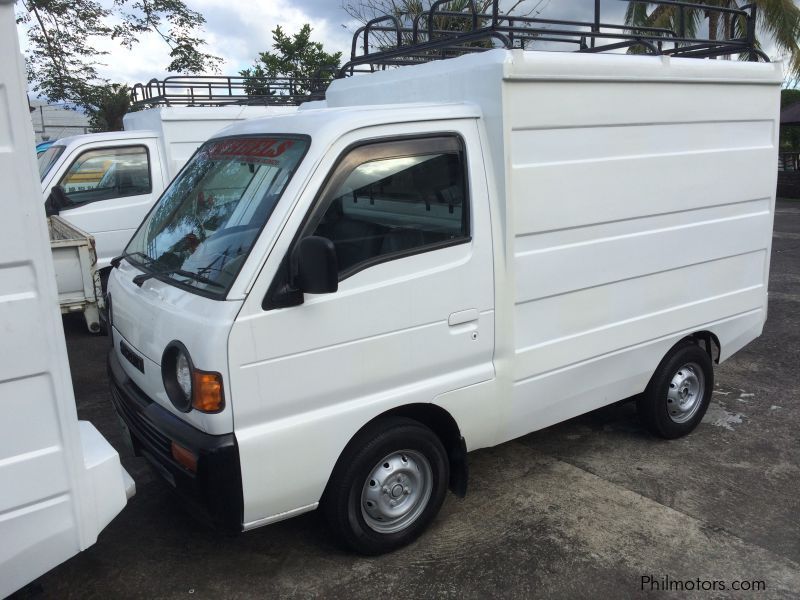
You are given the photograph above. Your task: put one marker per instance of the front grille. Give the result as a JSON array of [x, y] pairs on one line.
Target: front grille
[[140, 425]]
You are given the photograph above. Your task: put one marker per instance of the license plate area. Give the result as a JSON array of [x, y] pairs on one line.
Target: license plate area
[[131, 356]]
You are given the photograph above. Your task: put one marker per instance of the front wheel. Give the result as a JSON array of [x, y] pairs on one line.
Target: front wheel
[[388, 486], [678, 394]]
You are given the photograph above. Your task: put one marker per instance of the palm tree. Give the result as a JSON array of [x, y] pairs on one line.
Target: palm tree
[[106, 104], [778, 19], [406, 10]]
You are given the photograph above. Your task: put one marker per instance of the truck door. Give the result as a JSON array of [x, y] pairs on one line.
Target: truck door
[[109, 190], [413, 316]]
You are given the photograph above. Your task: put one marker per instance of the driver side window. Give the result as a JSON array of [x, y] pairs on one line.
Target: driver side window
[[107, 173], [392, 199]]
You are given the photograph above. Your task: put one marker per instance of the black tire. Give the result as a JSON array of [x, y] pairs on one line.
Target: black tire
[[104, 274], [342, 501], [668, 407]]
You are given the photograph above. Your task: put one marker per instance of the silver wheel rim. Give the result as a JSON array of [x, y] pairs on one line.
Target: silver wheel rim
[[685, 393], [396, 491]]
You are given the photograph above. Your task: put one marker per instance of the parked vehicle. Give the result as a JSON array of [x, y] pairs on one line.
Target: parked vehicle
[[104, 183], [42, 146], [77, 279], [333, 307], [61, 483]]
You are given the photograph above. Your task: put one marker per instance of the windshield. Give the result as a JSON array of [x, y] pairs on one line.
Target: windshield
[[47, 159], [200, 232]]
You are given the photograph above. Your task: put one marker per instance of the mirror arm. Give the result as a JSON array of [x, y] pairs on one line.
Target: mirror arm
[[287, 296]]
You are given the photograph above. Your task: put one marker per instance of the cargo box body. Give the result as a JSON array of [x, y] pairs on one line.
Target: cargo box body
[[633, 205]]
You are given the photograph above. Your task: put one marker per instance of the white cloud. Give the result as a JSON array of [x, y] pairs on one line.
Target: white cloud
[[235, 30]]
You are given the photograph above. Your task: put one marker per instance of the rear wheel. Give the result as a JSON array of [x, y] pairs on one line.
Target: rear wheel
[[678, 394], [388, 486]]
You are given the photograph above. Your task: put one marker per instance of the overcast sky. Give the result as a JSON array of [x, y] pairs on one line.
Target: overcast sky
[[237, 30]]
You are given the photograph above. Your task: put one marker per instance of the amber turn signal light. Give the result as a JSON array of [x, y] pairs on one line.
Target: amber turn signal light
[[185, 457], [207, 393]]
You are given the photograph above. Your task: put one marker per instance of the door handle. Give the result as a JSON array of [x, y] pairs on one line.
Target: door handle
[[463, 316]]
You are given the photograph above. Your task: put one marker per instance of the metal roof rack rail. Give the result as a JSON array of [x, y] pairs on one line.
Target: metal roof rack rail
[[222, 90], [439, 33]]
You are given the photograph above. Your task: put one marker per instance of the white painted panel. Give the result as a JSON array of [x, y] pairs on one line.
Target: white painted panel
[[557, 270], [24, 401], [602, 308], [35, 539], [589, 103], [577, 194], [613, 229], [574, 144], [44, 473], [691, 316]]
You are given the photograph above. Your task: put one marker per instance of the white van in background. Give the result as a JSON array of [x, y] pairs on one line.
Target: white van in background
[[333, 307], [61, 483], [104, 183]]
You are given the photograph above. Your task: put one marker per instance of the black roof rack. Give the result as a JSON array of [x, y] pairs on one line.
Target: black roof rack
[[214, 90], [439, 33]]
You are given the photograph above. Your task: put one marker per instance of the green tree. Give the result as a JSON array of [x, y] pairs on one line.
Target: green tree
[[789, 96], [296, 57], [62, 56], [106, 106], [790, 134], [777, 19]]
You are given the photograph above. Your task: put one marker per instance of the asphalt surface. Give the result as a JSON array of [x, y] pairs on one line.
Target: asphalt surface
[[583, 509]]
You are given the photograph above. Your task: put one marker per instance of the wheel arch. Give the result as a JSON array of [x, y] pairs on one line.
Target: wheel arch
[[709, 341], [442, 423]]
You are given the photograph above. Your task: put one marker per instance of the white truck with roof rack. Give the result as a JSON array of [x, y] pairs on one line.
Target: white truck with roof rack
[[104, 183], [61, 482], [332, 308]]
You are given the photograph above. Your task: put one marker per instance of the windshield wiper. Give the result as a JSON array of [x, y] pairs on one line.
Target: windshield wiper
[[118, 259], [140, 279]]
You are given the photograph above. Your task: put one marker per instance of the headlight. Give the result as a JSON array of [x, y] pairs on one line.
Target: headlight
[[183, 374], [188, 387], [177, 372]]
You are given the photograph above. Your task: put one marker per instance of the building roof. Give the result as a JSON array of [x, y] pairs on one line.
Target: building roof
[[791, 114]]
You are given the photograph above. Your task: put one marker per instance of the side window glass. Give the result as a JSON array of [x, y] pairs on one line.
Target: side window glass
[[108, 173], [392, 199]]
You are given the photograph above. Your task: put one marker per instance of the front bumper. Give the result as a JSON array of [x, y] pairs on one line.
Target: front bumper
[[214, 492]]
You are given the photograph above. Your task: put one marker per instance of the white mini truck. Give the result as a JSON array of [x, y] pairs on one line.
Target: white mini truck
[[332, 308]]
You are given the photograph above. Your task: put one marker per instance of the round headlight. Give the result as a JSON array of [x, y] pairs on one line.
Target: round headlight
[[177, 372], [183, 374]]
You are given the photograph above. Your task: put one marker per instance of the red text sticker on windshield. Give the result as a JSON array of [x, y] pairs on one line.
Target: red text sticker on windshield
[[250, 149]]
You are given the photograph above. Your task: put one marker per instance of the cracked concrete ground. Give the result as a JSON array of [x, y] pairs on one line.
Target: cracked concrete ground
[[582, 509]]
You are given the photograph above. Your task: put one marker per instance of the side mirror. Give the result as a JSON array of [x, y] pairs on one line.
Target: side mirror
[[57, 200], [317, 267], [50, 208]]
